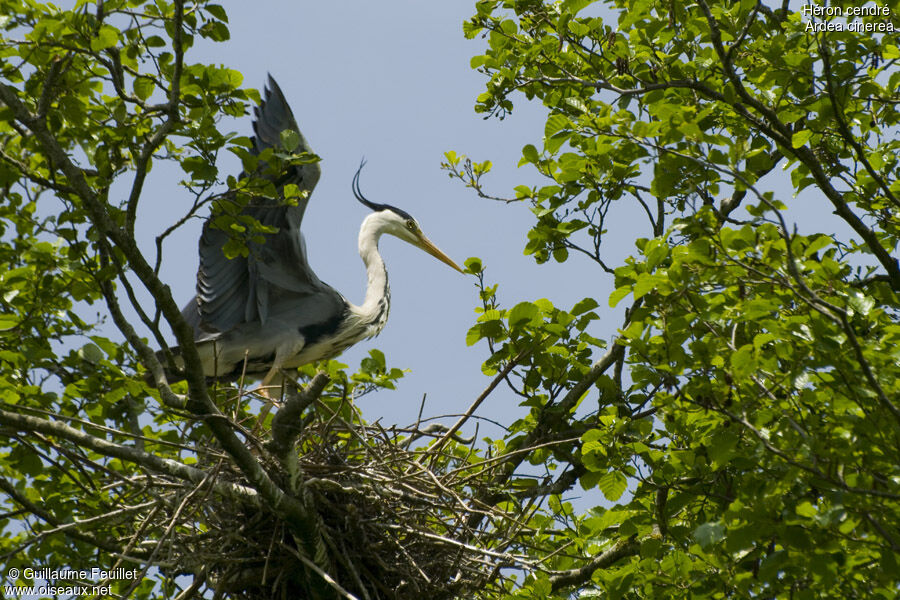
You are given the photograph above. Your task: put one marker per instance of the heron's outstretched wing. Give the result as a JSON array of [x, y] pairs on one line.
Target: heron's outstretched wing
[[242, 289]]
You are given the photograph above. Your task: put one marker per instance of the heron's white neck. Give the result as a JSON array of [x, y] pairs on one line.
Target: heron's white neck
[[374, 308]]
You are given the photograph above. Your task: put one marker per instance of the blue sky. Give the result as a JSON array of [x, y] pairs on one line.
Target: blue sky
[[391, 81]]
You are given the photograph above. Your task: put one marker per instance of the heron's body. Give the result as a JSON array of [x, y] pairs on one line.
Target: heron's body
[[268, 311], [340, 324]]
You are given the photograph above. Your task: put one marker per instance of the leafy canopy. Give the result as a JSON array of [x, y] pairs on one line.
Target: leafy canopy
[[743, 424]]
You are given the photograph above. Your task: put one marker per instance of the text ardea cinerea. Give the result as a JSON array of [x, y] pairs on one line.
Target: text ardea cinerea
[[269, 311]]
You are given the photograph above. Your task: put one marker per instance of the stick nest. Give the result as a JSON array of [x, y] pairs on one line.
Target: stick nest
[[397, 521]]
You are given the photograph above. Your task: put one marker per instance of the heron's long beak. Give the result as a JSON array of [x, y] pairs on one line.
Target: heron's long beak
[[425, 244]]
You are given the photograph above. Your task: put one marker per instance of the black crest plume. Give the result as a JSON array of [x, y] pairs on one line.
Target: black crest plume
[[357, 193]]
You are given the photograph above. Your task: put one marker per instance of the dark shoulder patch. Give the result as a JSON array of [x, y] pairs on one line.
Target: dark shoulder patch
[[314, 332]]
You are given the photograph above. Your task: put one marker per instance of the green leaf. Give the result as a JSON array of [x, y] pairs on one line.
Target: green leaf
[[582, 306], [106, 37], [721, 448], [645, 284], [555, 123], [473, 265], [155, 41], [577, 104], [801, 137], [217, 11], [290, 140], [215, 31], [860, 303], [374, 363], [613, 485], [523, 191], [876, 159], [530, 154], [560, 254], [618, 295], [143, 87], [817, 244], [91, 353], [490, 315], [742, 361], [656, 251], [522, 313], [806, 509], [709, 534], [26, 461], [8, 322]]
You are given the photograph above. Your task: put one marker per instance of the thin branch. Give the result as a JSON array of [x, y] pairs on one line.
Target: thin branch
[[436, 448], [49, 89], [322, 574], [34, 177], [621, 549], [171, 108], [600, 367]]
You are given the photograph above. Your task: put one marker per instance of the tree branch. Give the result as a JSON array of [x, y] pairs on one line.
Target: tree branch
[[128, 453], [621, 549], [171, 109], [286, 422]]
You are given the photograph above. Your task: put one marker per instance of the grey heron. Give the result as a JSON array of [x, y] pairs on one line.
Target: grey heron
[[268, 311]]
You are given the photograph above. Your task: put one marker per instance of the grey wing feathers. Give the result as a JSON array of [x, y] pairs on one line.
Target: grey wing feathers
[[241, 289], [273, 116]]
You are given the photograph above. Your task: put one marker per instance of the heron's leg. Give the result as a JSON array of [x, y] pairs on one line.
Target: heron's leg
[[265, 387], [273, 379]]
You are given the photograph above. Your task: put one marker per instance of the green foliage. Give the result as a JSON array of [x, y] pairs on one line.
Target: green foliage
[[741, 432], [77, 74], [738, 434], [93, 97]]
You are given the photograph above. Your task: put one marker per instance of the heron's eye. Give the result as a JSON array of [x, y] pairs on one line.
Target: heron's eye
[[411, 225]]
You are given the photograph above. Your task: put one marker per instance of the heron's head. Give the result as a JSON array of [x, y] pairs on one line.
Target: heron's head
[[401, 224]]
